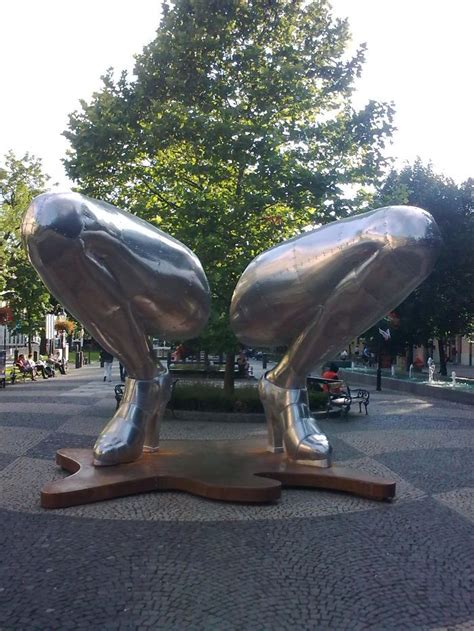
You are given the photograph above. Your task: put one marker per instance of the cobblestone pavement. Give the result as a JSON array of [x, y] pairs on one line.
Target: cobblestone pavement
[[315, 560]]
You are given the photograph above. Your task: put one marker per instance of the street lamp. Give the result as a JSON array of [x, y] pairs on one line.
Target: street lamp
[[384, 336]]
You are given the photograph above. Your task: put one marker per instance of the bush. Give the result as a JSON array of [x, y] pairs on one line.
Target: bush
[[207, 398]]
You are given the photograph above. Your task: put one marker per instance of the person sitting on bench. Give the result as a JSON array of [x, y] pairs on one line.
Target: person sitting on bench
[[55, 361], [25, 367], [39, 366], [331, 372]]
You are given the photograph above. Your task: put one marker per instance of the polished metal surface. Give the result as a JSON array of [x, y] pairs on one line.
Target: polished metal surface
[[291, 428], [135, 427], [319, 290], [125, 281]]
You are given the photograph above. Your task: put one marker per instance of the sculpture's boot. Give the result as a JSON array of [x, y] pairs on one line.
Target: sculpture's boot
[[135, 426], [291, 428]]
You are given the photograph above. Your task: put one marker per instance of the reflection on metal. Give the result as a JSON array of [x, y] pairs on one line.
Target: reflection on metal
[[315, 293], [291, 427], [124, 280], [135, 426]]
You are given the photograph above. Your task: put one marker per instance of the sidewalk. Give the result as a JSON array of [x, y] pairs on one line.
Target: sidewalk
[[316, 560]]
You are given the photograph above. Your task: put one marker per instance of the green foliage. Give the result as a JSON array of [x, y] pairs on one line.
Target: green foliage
[[237, 133], [21, 179], [25, 294], [206, 398], [443, 305]]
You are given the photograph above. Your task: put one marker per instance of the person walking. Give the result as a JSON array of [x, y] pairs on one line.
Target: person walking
[[106, 360], [123, 372]]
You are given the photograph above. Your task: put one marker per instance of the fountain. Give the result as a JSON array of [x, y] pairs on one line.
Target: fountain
[[460, 388], [431, 371]]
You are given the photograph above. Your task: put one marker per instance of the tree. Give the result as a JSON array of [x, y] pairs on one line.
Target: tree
[[21, 179], [443, 305], [237, 133]]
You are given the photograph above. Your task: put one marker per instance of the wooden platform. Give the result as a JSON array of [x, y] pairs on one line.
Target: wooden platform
[[229, 471]]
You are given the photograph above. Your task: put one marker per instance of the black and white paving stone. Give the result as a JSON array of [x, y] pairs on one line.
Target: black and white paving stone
[[315, 560]]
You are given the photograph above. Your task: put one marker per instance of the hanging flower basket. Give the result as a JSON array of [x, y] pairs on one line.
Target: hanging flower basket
[[66, 326], [6, 315]]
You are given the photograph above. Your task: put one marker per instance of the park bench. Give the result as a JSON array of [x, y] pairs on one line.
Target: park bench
[[340, 396], [17, 372], [360, 396], [120, 387]]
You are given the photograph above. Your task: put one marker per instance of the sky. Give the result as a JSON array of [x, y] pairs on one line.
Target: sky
[[420, 56]]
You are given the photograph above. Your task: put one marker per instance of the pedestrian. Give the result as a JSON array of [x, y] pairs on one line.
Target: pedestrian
[[123, 372], [106, 360]]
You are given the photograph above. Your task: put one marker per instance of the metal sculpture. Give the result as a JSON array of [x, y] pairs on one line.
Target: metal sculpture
[[317, 292], [125, 281]]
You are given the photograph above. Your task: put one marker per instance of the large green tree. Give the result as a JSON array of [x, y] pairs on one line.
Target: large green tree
[[237, 132], [443, 305], [21, 179]]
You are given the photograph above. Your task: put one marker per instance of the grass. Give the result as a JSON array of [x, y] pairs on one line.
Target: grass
[[94, 355]]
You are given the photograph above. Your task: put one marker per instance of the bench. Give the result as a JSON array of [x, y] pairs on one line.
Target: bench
[[340, 396], [120, 387], [18, 371], [360, 396]]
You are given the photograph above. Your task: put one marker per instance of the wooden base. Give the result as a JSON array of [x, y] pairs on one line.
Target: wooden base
[[230, 471]]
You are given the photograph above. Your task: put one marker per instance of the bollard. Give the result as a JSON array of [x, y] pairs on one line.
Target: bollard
[[79, 359]]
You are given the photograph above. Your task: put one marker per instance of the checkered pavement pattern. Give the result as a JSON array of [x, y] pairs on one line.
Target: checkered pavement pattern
[[315, 559]]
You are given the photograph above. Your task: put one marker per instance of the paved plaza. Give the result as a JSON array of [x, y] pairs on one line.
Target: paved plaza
[[315, 560]]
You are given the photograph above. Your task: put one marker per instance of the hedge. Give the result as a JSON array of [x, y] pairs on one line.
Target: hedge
[[209, 398]]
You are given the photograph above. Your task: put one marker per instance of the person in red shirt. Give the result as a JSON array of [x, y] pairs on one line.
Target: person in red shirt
[[331, 372]]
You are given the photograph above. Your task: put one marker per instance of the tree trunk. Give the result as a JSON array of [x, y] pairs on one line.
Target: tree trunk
[[43, 345], [442, 357], [30, 346], [229, 373]]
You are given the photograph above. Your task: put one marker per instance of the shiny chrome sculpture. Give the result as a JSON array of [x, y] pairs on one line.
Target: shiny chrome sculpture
[[317, 292], [124, 280]]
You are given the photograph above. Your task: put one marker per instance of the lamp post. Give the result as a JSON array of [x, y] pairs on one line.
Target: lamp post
[[379, 365], [384, 336]]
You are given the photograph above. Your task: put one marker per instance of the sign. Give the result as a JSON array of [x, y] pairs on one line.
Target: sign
[[49, 326]]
